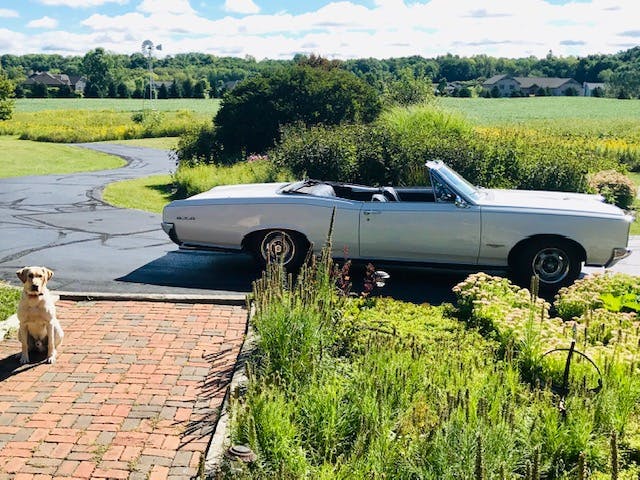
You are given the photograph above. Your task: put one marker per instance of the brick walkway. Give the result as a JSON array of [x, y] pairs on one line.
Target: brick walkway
[[134, 393]]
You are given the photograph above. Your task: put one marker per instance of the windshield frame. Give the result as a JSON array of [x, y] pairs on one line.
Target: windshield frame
[[456, 181]]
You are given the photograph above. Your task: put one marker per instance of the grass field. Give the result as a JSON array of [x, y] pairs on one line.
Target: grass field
[[23, 157], [202, 106], [494, 111]]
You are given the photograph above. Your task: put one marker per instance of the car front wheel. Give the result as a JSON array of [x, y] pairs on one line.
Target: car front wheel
[[556, 263]]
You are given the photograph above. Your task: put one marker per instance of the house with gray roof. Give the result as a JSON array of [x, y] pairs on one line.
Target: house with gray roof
[[507, 85], [56, 80]]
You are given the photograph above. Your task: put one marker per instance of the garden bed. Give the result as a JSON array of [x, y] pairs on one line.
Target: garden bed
[[345, 387]]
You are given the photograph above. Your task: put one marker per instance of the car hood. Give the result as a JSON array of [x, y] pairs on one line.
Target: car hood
[[552, 201]]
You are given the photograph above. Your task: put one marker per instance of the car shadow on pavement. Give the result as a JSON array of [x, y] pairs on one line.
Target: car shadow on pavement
[[224, 272], [198, 270]]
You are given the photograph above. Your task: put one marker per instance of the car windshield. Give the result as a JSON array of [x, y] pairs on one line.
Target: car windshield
[[301, 186], [457, 182]]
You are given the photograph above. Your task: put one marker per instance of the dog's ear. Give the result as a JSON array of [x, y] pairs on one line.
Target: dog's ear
[[22, 274], [48, 273]]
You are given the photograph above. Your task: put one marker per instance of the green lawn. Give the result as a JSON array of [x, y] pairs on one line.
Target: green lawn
[[9, 298], [150, 193], [23, 157], [163, 143]]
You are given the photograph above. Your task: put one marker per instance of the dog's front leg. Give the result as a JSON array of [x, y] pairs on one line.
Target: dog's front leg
[[23, 336], [51, 346]]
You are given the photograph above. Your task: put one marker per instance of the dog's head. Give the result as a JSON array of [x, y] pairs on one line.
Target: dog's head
[[34, 279]]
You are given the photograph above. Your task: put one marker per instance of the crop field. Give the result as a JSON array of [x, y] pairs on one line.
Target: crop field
[[75, 120], [539, 110], [200, 106]]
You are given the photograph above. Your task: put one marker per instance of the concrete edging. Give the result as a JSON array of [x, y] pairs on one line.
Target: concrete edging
[[221, 439], [230, 299]]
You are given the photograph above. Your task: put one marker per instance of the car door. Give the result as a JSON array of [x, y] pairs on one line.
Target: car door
[[432, 232]]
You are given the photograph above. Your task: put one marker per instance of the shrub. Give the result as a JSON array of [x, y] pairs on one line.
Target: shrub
[[253, 112], [615, 187], [354, 153], [6, 97], [319, 152], [193, 179], [197, 145], [586, 294]]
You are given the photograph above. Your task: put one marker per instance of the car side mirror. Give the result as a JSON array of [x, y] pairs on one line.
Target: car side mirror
[[460, 202]]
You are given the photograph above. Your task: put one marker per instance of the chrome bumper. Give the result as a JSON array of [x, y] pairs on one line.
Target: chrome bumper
[[169, 229], [616, 255]]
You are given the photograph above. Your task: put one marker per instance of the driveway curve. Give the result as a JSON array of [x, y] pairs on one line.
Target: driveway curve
[[61, 221]]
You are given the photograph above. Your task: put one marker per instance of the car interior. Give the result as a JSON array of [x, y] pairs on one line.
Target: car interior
[[368, 194]]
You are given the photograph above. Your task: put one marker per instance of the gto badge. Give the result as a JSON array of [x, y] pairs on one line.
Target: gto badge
[[185, 218]]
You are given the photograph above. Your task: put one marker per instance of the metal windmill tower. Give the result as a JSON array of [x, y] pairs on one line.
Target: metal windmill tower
[[147, 49]]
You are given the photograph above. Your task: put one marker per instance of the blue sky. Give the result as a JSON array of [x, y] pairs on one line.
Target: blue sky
[[336, 29]]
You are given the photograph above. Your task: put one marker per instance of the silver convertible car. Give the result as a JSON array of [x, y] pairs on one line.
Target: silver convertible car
[[447, 223]]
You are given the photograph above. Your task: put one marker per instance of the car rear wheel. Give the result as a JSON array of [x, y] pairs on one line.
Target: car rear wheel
[[281, 246], [555, 262]]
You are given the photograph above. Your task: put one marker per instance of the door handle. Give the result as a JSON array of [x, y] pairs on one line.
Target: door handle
[[371, 212]]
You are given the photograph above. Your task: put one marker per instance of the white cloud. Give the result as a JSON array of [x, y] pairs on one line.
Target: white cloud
[[6, 13], [175, 7], [80, 3], [241, 6], [342, 29], [44, 22]]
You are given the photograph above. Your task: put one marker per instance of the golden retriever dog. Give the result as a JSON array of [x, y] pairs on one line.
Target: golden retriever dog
[[39, 327]]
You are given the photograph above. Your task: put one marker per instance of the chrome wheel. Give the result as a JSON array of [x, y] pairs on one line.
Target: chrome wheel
[[278, 246], [551, 265]]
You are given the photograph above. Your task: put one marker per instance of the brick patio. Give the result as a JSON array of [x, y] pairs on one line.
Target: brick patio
[[135, 391]]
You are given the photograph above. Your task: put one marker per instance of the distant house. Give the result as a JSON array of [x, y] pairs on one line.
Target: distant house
[[593, 89], [507, 85], [57, 80]]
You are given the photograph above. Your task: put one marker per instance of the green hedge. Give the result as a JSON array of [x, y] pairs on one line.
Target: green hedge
[[395, 148]]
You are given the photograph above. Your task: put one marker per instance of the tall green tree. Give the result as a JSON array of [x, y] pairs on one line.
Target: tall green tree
[[39, 90], [6, 97], [187, 88], [96, 66], [200, 89], [174, 90], [163, 92]]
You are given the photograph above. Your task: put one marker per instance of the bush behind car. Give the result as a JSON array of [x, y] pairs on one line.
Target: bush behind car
[[394, 149]]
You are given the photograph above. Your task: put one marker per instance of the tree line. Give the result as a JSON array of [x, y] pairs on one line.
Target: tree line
[[203, 75]]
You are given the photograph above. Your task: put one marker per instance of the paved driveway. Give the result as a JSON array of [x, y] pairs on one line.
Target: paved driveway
[[60, 221]]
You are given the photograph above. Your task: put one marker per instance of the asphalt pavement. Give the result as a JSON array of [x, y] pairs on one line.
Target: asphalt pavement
[[61, 221]]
